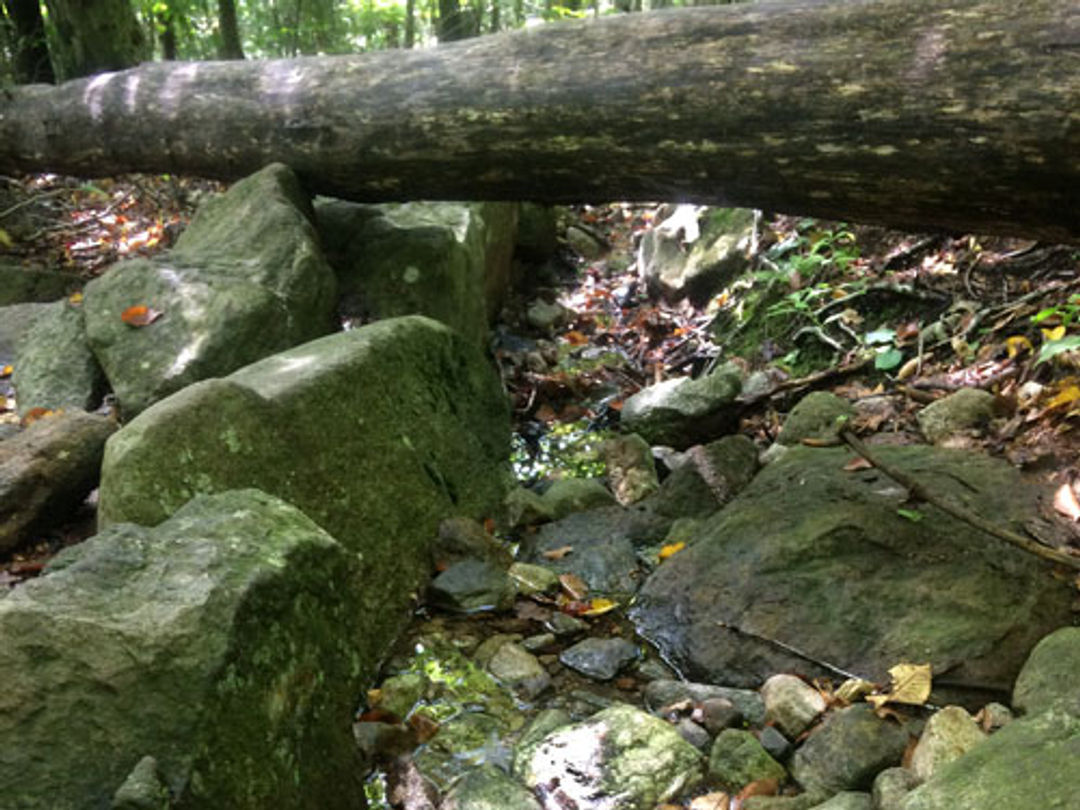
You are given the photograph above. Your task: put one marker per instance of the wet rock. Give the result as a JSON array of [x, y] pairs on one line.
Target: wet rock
[[379, 743], [568, 495], [948, 735], [245, 280], [165, 640], [835, 539], [399, 406], [1051, 673], [483, 654], [472, 585], [1029, 763], [462, 538], [525, 507], [850, 748], [791, 703], [682, 412], [891, 786], [488, 788], [143, 789], [15, 322], [562, 624], [737, 759], [599, 658], [693, 733], [685, 494], [660, 693], [620, 757], [539, 642], [54, 366], [962, 412], [545, 316], [776, 744], [719, 713], [630, 468], [815, 417], [398, 694], [47, 470], [533, 579], [848, 800], [520, 671], [543, 723], [465, 741]]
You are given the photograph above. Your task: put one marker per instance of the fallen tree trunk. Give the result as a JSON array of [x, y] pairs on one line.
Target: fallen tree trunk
[[916, 113]]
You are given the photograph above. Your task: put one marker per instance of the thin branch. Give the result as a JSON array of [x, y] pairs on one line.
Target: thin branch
[[917, 490]]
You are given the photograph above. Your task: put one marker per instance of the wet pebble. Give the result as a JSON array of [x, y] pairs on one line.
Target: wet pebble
[[599, 658]]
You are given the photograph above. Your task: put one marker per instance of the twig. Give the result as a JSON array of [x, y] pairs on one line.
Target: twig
[[917, 490]]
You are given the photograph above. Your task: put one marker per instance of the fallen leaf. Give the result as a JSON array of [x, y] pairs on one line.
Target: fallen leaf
[[574, 586], [671, 549], [34, 414], [5, 371], [1057, 333], [424, 726], [711, 801], [1066, 396], [575, 338], [1016, 344], [378, 715], [599, 606], [75, 298], [857, 463], [489, 525], [140, 315], [910, 685], [557, 553], [6, 240], [760, 787], [1065, 502]]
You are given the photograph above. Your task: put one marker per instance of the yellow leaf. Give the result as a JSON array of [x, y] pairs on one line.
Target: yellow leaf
[[599, 606], [910, 685], [1017, 344], [75, 298], [1067, 396], [1057, 333], [6, 371], [5, 239], [671, 549]]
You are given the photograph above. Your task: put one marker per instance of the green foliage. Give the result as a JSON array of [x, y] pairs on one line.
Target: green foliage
[[569, 450], [1065, 315]]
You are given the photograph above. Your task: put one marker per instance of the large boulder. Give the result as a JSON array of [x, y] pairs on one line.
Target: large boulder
[[47, 470], [226, 643], [1051, 674], [245, 280], [376, 434], [814, 563], [449, 261]]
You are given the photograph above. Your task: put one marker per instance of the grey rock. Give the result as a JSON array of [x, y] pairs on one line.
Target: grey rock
[[463, 538], [245, 280], [850, 748], [815, 417], [525, 507], [693, 733], [400, 406], [543, 723], [630, 468], [719, 713], [520, 671], [472, 585], [660, 693], [599, 658], [949, 734], [620, 757], [791, 703], [681, 412], [994, 716], [545, 316], [562, 624], [964, 411], [568, 495], [531, 579], [848, 800], [143, 789], [1051, 673], [737, 759], [488, 788], [685, 494], [776, 744], [538, 642], [54, 366], [891, 786], [15, 322], [47, 470], [892, 585], [398, 694], [166, 640]]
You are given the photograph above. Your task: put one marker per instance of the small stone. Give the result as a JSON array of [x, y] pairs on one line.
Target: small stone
[[891, 786], [994, 716], [519, 669], [1051, 673], [663, 692], [599, 658], [848, 750], [398, 694], [949, 734], [463, 538], [524, 507], [719, 713], [532, 579], [472, 586], [693, 733], [775, 743], [630, 468], [563, 624], [791, 704], [815, 416], [487, 648], [538, 642], [653, 670], [569, 495], [737, 759], [848, 800], [963, 411], [545, 316], [143, 789], [382, 742]]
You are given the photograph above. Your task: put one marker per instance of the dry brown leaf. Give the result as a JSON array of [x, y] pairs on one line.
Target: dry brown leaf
[[760, 787], [574, 586], [1065, 502], [910, 685], [711, 801], [857, 463], [140, 315], [557, 553]]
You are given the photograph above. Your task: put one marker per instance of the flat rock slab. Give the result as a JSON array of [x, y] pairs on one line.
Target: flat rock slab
[[343, 428], [47, 470], [812, 562], [223, 643]]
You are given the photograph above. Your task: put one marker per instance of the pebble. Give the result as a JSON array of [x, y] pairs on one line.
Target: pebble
[[599, 658]]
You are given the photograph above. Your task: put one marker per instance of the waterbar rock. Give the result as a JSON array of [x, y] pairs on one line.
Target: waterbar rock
[[340, 427], [225, 643], [245, 280]]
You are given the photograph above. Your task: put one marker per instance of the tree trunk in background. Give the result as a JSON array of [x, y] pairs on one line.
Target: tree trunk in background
[[410, 23], [229, 31], [31, 52], [454, 21], [912, 113], [166, 23], [95, 35]]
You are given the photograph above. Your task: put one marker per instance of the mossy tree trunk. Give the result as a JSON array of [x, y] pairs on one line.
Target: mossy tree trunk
[[916, 113], [31, 53], [95, 35]]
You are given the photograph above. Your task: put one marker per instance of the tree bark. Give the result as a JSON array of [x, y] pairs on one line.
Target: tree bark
[[922, 114], [31, 51], [95, 35], [229, 31]]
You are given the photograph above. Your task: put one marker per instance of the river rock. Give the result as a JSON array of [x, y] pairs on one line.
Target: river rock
[[948, 735], [682, 411], [450, 261], [47, 470], [245, 280], [470, 586], [737, 759], [664, 692], [630, 468], [815, 417], [339, 427], [965, 411], [807, 547], [599, 658], [54, 366], [791, 703], [848, 800], [463, 538], [519, 670], [1051, 673], [143, 789], [222, 642], [852, 746], [891, 786], [488, 788], [620, 757]]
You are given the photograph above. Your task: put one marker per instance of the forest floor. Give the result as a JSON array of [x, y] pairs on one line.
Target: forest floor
[[859, 310]]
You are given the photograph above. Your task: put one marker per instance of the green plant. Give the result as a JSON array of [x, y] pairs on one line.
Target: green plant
[[1062, 316]]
